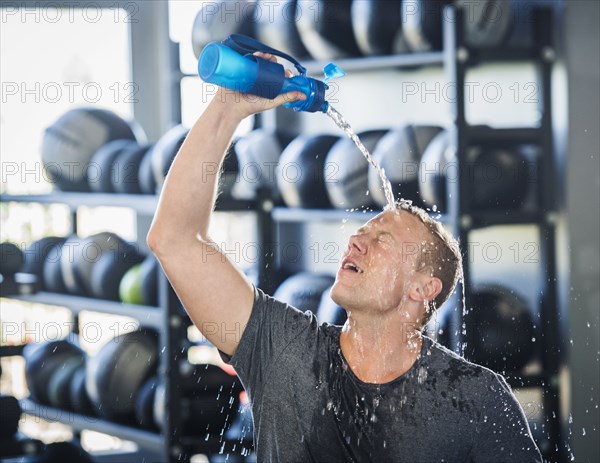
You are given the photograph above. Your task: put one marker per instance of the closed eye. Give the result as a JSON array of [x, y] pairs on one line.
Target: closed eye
[[385, 237]]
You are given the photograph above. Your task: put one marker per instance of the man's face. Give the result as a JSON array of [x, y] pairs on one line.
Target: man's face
[[379, 263]]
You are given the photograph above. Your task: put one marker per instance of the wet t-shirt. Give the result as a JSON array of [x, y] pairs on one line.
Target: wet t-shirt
[[308, 406]]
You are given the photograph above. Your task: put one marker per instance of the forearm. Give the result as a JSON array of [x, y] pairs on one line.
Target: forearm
[[189, 192]]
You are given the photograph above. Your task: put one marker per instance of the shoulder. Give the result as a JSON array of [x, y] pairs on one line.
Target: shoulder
[[459, 370], [290, 318]]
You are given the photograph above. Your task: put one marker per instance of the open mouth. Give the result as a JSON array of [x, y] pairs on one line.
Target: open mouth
[[349, 265]]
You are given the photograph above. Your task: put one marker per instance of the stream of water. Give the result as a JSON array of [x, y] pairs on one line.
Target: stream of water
[[345, 126]]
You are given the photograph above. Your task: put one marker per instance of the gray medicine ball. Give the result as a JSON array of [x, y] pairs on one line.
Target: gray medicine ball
[[70, 143], [118, 371], [164, 151], [258, 153], [399, 154], [218, 20], [346, 171], [304, 290]]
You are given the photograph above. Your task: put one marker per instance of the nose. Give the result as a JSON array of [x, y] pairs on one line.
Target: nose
[[358, 244]]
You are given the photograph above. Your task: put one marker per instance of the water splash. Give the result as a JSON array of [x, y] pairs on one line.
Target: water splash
[[347, 128], [461, 279]]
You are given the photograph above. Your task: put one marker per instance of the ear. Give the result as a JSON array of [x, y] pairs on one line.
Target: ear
[[425, 288]]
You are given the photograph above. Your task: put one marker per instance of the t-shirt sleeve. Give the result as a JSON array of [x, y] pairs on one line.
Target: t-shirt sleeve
[[272, 326], [502, 432]]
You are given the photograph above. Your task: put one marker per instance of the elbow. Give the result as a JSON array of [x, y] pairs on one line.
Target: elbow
[[164, 243], [157, 241]]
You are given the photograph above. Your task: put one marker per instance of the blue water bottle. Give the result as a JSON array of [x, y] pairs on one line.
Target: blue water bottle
[[232, 65]]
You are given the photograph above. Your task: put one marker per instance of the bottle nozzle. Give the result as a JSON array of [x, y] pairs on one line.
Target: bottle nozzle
[[332, 71]]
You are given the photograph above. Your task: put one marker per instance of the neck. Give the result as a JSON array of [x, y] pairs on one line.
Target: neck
[[381, 349]]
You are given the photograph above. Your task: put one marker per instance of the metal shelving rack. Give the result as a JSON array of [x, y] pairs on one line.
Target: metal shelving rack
[[459, 57], [167, 318], [456, 58]]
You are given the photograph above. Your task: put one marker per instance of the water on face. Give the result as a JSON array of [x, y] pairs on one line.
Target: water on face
[[387, 188], [345, 126]]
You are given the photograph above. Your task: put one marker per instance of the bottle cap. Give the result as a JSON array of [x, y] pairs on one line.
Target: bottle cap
[[332, 71]]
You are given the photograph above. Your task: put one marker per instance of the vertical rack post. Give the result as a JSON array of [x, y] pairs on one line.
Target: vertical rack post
[[455, 57], [543, 23], [74, 227], [170, 339]]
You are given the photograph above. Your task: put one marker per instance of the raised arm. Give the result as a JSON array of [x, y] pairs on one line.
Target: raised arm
[[214, 292]]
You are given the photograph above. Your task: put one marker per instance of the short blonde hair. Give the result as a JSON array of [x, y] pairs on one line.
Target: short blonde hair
[[441, 254]]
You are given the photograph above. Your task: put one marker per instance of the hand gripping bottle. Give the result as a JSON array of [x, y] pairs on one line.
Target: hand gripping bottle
[[232, 65]]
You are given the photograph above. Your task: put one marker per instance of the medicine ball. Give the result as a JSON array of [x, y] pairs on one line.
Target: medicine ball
[[11, 258], [70, 143], [377, 27], [258, 153], [99, 172], [78, 396], [52, 273], [229, 170], [42, 360], [81, 254], [300, 176], [399, 154], [11, 414], [125, 178], [218, 20], [487, 22], [346, 171], [276, 26], [59, 383], [118, 370], [109, 270], [329, 311], [144, 403], [422, 23], [21, 449], [503, 328], [62, 452], [149, 274], [146, 174], [304, 290], [210, 398], [498, 177], [130, 287], [164, 151], [325, 28], [36, 253]]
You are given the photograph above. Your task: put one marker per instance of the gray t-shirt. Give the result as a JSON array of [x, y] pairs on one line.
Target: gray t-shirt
[[308, 406]]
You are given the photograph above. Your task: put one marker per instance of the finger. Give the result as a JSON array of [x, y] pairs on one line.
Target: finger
[[289, 73], [288, 97], [266, 56]]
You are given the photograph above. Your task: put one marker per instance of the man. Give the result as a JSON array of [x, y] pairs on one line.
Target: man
[[374, 390]]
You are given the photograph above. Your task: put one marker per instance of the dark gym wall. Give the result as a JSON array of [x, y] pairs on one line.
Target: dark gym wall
[[583, 190]]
